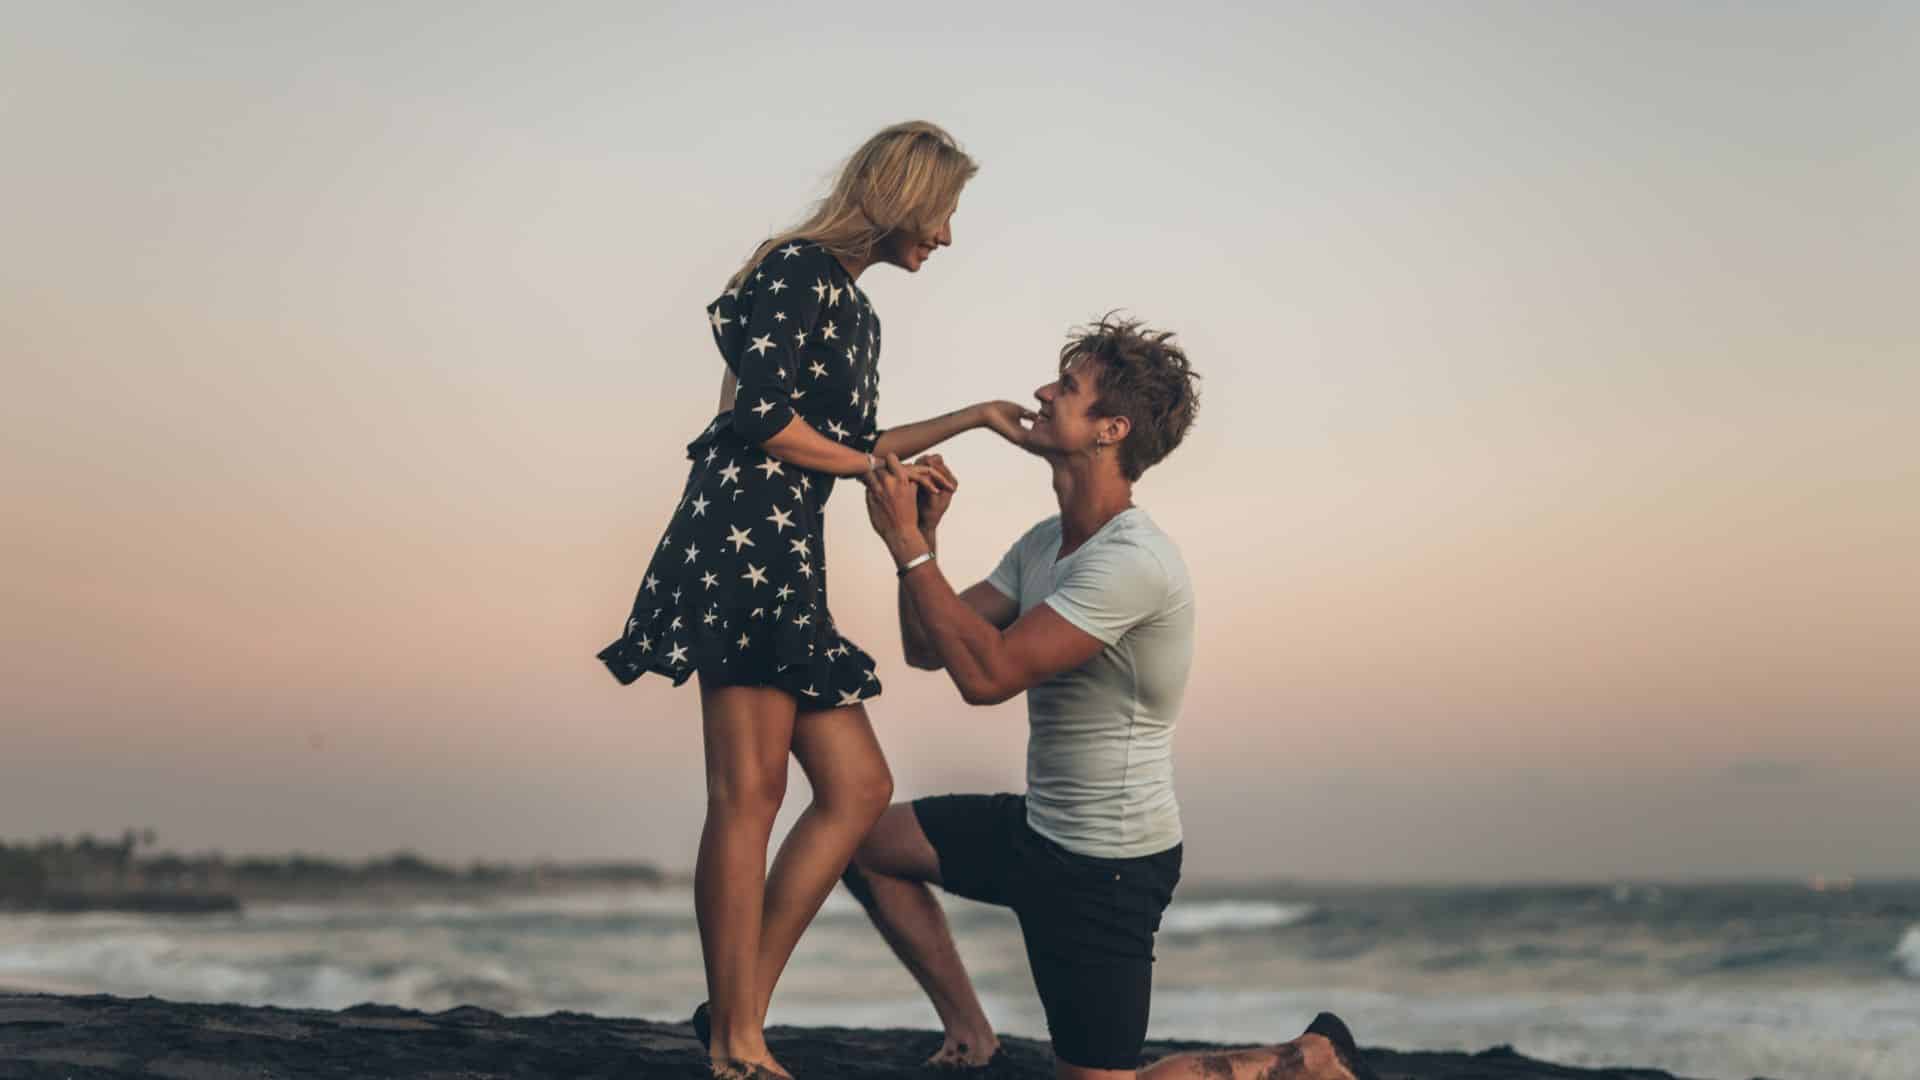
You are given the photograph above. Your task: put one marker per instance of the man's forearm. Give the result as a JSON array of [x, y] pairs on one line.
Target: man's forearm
[[913, 636], [968, 646]]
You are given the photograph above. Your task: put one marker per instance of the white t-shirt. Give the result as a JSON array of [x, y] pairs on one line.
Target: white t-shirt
[[1100, 737]]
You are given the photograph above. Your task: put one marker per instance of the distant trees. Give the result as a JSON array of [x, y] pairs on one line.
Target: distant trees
[[67, 874]]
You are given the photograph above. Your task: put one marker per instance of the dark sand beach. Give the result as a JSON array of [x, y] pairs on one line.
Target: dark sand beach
[[45, 1035]]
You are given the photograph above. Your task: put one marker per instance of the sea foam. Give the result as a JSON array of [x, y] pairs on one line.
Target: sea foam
[[1217, 916], [1906, 955]]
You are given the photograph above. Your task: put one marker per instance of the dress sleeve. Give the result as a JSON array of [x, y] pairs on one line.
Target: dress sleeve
[[1110, 590], [761, 328]]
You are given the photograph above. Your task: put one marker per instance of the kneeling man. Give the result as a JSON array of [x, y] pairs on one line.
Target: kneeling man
[[1091, 614]]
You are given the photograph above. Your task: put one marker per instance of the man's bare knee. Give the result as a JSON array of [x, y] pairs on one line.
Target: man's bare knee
[[855, 880]]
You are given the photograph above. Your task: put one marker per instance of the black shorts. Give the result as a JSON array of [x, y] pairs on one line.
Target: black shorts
[[1088, 922]]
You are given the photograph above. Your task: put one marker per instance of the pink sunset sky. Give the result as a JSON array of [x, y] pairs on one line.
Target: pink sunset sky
[[1553, 507]]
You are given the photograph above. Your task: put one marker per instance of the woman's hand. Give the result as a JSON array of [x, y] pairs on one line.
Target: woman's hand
[[1008, 419], [892, 505], [936, 495]]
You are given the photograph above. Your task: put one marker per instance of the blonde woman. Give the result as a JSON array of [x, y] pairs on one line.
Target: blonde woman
[[736, 591]]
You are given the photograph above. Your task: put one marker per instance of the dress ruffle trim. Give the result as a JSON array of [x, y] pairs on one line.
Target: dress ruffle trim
[[736, 645]]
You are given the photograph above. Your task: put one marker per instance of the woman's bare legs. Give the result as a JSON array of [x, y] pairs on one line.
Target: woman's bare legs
[[851, 786], [747, 730]]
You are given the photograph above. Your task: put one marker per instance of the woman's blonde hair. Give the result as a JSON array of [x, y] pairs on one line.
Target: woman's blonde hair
[[908, 177]]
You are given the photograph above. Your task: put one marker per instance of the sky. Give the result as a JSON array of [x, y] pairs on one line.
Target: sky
[[1552, 507]]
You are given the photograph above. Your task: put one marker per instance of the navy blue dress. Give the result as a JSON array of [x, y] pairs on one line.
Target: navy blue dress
[[737, 587]]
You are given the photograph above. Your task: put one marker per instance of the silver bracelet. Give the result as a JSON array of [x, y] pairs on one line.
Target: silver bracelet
[[925, 556], [870, 463]]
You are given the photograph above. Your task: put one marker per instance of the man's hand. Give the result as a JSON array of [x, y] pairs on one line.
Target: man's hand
[[893, 506], [937, 496]]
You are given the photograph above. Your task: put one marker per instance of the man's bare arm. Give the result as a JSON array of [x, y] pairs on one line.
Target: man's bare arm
[[996, 607], [987, 664]]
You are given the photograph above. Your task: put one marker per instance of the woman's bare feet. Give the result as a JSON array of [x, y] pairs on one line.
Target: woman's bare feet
[[746, 1070]]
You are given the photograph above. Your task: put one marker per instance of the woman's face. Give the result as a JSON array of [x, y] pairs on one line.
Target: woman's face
[[910, 251]]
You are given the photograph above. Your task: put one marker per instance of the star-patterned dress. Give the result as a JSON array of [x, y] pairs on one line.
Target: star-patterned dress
[[737, 588]]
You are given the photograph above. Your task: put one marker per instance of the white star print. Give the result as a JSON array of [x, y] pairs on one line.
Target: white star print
[[709, 580], [835, 652], [810, 691], [856, 398], [693, 552], [764, 407], [733, 293], [738, 538], [652, 583], [718, 320], [806, 570], [744, 641], [699, 505], [761, 344], [772, 468], [833, 295], [801, 619], [757, 612], [779, 316], [781, 519], [819, 290], [710, 618], [711, 451], [678, 655], [838, 431], [755, 574], [828, 332], [848, 697], [646, 644], [675, 624], [817, 368], [800, 338], [790, 250], [870, 676], [796, 492], [800, 547], [777, 285], [730, 473], [785, 591]]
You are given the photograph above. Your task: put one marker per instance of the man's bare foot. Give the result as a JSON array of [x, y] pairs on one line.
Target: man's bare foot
[[965, 1053], [1330, 1050]]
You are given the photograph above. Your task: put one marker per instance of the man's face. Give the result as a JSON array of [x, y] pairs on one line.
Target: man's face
[[1066, 423]]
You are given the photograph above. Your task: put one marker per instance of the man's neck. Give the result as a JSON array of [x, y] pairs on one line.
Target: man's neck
[[1091, 493]]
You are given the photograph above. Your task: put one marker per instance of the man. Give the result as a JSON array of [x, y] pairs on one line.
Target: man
[[1091, 614]]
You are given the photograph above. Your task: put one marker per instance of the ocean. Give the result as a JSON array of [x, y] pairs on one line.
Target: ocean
[[1710, 981]]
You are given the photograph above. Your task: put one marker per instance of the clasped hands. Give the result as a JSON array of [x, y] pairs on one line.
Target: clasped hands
[[905, 502]]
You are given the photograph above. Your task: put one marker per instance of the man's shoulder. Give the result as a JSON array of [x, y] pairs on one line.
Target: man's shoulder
[[1153, 550], [1046, 531]]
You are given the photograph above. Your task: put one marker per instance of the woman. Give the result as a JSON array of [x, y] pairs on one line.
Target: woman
[[737, 588]]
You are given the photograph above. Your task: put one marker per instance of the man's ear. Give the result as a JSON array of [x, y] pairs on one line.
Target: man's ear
[[1118, 428]]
